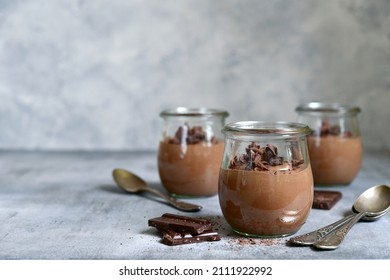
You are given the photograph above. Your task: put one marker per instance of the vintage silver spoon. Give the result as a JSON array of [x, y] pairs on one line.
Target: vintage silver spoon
[[317, 235], [374, 203], [130, 182]]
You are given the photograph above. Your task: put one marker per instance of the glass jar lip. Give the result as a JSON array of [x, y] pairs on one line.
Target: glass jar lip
[[330, 108], [194, 112], [267, 128]]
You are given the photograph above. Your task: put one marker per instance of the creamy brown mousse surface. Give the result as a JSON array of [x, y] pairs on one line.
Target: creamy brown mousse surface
[[269, 201], [335, 156], [334, 159], [190, 168]]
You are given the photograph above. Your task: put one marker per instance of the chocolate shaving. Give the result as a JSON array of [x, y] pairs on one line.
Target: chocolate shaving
[[190, 135], [262, 158], [327, 129]]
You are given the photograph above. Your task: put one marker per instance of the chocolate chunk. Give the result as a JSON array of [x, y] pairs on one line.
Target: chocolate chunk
[[180, 224], [325, 199], [172, 238], [177, 229]]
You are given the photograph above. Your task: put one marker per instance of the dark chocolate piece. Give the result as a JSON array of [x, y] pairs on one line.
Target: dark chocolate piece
[[177, 229], [325, 199], [180, 224], [173, 238]]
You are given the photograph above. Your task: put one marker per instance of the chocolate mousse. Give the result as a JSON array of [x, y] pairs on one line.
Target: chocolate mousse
[[189, 162], [335, 156], [264, 194]]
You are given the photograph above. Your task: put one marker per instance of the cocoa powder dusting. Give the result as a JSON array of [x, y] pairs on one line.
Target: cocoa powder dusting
[[243, 241]]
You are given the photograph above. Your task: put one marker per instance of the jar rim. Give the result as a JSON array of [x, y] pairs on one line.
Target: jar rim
[[267, 128], [331, 108], [194, 112]]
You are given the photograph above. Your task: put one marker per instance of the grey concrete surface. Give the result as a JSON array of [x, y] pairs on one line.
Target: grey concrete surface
[[65, 205]]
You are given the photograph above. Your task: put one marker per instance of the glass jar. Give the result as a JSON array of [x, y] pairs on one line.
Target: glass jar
[[190, 151], [335, 146], [265, 181]]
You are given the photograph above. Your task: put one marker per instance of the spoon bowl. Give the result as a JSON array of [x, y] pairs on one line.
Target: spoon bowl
[[378, 194], [128, 181], [369, 206], [131, 183], [375, 201]]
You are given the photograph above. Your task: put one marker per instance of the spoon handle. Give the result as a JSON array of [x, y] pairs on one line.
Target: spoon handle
[[181, 205], [314, 236], [333, 240]]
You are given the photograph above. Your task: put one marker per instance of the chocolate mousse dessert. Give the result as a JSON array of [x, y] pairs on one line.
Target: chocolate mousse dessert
[[335, 144], [264, 194], [189, 162], [335, 156]]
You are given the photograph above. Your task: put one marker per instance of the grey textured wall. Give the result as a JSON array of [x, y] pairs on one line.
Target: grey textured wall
[[95, 74]]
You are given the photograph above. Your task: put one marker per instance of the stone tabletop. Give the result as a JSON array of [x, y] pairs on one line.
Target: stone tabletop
[[65, 205]]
